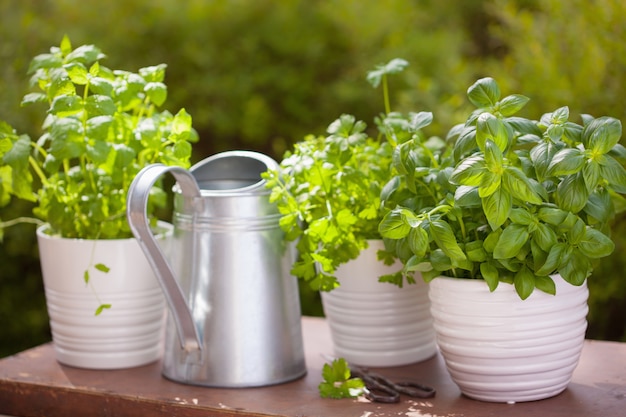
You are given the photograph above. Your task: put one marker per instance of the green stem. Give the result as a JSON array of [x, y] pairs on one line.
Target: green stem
[[101, 305], [19, 220], [88, 173], [33, 163], [431, 156], [329, 209], [438, 209], [327, 192], [462, 226], [142, 108], [386, 95]]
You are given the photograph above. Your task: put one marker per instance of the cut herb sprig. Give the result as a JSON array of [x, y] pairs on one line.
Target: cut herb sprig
[[338, 382]]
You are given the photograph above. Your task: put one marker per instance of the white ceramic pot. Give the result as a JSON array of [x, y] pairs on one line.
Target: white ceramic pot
[[378, 324], [500, 348], [128, 334]]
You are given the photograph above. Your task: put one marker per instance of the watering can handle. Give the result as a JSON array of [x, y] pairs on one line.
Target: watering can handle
[[140, 226]]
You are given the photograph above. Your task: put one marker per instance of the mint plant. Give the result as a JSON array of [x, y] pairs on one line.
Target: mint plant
[[100, 127], [328, 192], [506, 199]]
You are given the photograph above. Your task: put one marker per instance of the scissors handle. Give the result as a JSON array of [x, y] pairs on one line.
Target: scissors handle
[[376, 383], [413, 389], [378, 388]]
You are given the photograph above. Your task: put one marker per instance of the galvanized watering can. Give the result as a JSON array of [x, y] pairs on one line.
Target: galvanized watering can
[[234, 309]]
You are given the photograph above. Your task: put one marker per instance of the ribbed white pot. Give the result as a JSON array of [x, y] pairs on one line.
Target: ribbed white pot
[[128, 334], [500, 348], [378, 324]]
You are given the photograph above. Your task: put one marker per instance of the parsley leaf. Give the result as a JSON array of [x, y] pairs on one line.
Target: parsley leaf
[[337, 382]]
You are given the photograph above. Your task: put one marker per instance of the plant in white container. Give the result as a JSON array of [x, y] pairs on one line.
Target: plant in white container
[[100, 127], [501, 218], [328, 191]]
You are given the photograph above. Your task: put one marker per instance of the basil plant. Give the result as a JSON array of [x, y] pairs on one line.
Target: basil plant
[[503, 198]]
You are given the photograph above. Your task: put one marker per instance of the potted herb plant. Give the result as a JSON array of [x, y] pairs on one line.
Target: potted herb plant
[[505, 219], [328, 191], [101, 127]]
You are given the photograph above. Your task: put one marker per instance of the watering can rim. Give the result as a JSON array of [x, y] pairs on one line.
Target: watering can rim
[[256, 188]]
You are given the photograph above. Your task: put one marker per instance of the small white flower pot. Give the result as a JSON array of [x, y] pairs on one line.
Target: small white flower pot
[[500, 348], [378, 324], [128, 334]]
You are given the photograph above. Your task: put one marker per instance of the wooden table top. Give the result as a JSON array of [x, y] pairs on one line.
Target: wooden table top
[[33, 383]]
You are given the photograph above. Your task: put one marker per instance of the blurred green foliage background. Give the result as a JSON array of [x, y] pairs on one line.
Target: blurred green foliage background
[[262, 74]]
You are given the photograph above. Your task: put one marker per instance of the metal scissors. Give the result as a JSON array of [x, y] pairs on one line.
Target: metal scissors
[[382, 390]]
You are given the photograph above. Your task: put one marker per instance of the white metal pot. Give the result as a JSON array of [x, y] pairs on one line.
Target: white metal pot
[[374, 323], [500, 348], [128, 334]]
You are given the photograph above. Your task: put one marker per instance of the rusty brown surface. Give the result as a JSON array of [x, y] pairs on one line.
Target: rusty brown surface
[[33, 383]]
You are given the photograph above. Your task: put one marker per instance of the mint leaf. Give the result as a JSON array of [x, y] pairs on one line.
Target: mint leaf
[[101, 308]]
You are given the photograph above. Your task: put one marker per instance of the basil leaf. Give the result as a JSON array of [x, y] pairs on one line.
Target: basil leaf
[[511, 241], [544, 236], [484, 92], [614, 173], [545, 284], [553, 216], [577, 232], [475, 251], [575, 267], [599, 206], [591, 174], [392, 67], [444, 237], [466, 196], [596, 244], [524, 283], [541, 156], [439, 260], [421, 120], [418, 241], [493, 156], [490, 274], [466, 142], [489, 127], [469, 172], [567, 161], [560, 115], [602, 134], [520, 186], [393, 225], [497, 207], [511, 104], [521, 216], [489, 184], [492, 240], [571, 193]]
